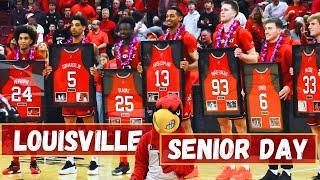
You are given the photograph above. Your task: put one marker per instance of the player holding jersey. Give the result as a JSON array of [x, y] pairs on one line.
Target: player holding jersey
[[276, 50], [230, 34]]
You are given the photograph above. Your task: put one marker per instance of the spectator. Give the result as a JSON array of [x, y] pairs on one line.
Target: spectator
[[244, 7], [154, 33], [98, 37], [49, 37], [39, 14], [52, 16], [156, 28], [276, 9], [242, 19], [44, 5], [293, 11], [42, 49], [299, 28], [151, 8], [61, 34], [115, 11], [191, 19], [140, 28], [86, 10], [63, 4], [29, 5], [11, 47], [255, 26], [67, 17], [129, 5], [205, 40], [315, 6], [107, 25], [37, 27], [2, 52], [208, 19], [18, 15], [98, 11]]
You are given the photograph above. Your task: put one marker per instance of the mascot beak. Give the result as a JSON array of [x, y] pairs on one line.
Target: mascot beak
[[164, 121]]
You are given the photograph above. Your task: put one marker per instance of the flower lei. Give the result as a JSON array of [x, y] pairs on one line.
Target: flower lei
[[119, 46], [176, 35], [227, 37], [83, 41], [275, 50], [30, 55]]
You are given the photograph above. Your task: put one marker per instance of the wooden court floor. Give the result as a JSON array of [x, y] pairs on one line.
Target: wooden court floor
[[108, 163]]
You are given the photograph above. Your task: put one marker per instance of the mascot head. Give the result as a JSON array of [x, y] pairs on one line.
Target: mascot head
[[169, 112]]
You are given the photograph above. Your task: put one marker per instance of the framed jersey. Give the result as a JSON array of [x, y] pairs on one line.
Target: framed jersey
[[71, 85], [22, 85], [220, 83], [306, 80], [123, 96], [262, 83], [161, 72]]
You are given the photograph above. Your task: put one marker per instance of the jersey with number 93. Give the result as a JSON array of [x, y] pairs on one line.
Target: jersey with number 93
[[23, 92], [71, 76], [221, 85], [124, 102], [308, 83]]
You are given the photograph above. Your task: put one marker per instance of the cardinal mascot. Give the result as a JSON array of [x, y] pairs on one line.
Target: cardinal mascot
[[166, 119]]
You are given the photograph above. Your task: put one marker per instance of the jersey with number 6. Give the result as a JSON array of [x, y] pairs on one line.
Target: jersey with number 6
[[263, 102], [308, 83], [124, 102], [23, 92], [220, 93], [71, 77], [163, 76]]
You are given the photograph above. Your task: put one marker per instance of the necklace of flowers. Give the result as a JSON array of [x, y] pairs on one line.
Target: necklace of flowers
[[227, 37], [119, 46], [275, 50], [30, 55], [176, 35], [83, 40]]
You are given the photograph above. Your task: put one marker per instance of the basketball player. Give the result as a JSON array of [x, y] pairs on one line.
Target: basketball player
[[277, 50], [26, 38], [229, 33]]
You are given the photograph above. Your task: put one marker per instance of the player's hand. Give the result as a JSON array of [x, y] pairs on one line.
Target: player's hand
[[93, 71], [167, 169], [139, 68], [184, 64], [285, 91], [238, 53], [47, 70], [291, 71]]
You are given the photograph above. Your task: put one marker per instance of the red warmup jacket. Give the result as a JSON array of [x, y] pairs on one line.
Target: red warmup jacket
[[147, 160]]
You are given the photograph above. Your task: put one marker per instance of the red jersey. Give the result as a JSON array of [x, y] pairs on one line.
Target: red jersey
[[23, 92], [263, 102], [222, 96], [308, 84], [73, 77], [124, 102], [124, 53], [163, 74]]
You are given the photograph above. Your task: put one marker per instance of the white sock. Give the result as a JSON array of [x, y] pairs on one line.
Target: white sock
[[232, 166], [274, 171], [288, 171], [95, 159], [71, 159], [246, 166]]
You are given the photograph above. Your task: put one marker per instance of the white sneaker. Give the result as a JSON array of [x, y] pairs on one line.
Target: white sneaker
[[68, 168], [93, 168]]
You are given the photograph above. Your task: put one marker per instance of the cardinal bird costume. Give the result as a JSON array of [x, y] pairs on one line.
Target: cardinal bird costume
[[147, 160]]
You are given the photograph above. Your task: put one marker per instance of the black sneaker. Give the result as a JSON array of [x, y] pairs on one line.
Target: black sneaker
[[284, 176], [121, 169], [317, 177], [12, 169], [68, 168], [93, 168], [270, 176], [34, 169]]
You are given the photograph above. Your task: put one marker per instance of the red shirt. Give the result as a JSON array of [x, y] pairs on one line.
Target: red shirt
[[300, 11], [284, 57], [12, 56], [98, 38], [315, 6], [241, 38], [257, 32], [48, 39], [108, 26], [124, 53], [86, 10], [65, 3], [44, 4]]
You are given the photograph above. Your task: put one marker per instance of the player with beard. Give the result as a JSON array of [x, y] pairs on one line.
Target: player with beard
[[26, 38], [275, 49], [229, 33]]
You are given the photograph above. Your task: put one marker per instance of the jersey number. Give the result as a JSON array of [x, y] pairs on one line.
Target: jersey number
[[165, 75], [216, 84], [124, 103], [310, 84], [72, 82], [16, 94], [263, 101]]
